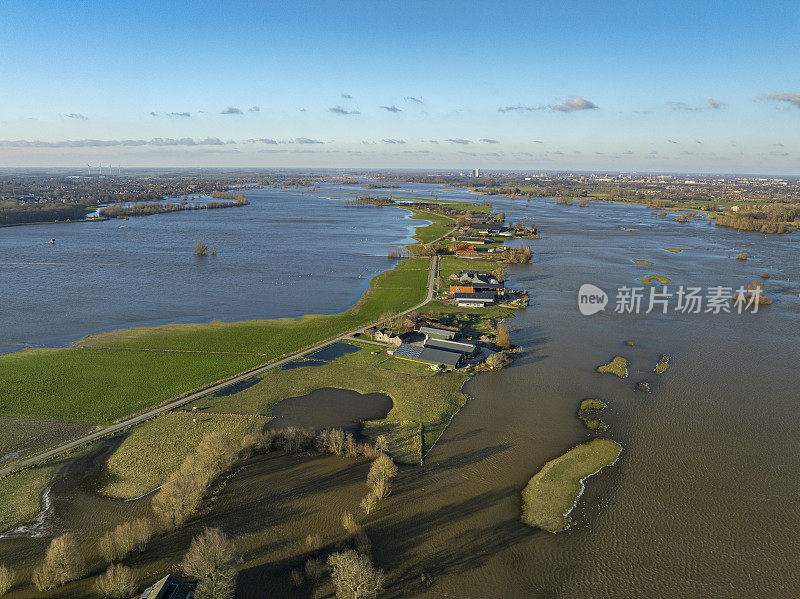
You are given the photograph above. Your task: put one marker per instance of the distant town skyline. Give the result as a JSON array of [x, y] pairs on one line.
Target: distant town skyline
[[592, 86]]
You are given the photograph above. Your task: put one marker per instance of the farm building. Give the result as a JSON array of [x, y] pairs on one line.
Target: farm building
[[466, 349], [475, 300], [465, 250], [169, 587], [431, 333], [472, 240], [386, 336], [428, 355]]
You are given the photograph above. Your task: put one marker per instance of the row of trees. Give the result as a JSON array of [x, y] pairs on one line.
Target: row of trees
[[13, 213], [212, 558], [148, 208], [774, 218]]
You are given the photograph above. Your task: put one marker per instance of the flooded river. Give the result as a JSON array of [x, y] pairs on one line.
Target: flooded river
[[702, 503], [286, 254]]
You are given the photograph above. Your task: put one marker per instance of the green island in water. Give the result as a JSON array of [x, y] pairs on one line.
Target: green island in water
[[553, 492]]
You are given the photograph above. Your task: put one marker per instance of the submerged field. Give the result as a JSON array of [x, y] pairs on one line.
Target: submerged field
[[422, 400]]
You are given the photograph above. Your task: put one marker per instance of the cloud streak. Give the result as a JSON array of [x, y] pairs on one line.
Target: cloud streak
[[76, 116], [486, 140], [392, 108], [712, 104], [459, 141], [231, 110], [572, 104], [785, 97], [108, 143], [413, 99], [342, 110]]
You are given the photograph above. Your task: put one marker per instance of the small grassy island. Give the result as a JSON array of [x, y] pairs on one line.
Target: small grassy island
[[554, 491], [618, 366], [662, 365], [587, 412]]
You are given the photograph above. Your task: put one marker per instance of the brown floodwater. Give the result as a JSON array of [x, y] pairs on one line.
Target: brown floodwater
[[702, 503]]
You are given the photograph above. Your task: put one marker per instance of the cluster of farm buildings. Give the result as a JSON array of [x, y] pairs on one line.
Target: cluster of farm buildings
[[484, 233], [438, 348]]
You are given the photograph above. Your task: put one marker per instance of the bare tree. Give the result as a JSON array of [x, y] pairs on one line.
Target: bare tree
[[503, 336], [356, 531], [368, 503], [354, 576], [200, 249], [63, 563], [7, 576], [380, 474], [178, 498], [336, 441], [117, 582], [212, 559]]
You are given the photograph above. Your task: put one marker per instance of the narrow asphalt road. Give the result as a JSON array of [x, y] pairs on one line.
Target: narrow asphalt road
[[50, 453]]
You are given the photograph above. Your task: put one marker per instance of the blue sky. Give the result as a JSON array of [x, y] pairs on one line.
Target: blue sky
[[686, 86]]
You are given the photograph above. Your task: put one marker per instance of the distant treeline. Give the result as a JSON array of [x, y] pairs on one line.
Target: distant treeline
[[770, 219], [381, 186], [227, 195], [12, 213], [369, 201], [141, 209]]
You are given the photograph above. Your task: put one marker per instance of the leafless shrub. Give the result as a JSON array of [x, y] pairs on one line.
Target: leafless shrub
[[313, 542], [503, 336], [212, 559], [116, 583], [350, 446], [357, 534], [368, 502], [63, 563], [336, 441], [315, 569], [382, 471], [200, 249], [354, 576], [7, 576], [382, 443], [297, 577], [178, 498]]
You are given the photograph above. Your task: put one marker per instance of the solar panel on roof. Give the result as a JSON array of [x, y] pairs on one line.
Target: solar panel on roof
[[411, 351]]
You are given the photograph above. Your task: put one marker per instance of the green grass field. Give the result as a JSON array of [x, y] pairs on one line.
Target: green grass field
[[96, 385], [439, 226], [155, 449], [451, 264], [552, 493]]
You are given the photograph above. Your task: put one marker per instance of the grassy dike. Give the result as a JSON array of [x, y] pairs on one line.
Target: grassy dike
[[554, 491]]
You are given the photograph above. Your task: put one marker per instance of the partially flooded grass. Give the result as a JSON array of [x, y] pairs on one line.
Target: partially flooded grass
[[420, 397], [653, 279], [20, 494], [155, 449], [675, 250], [618, 366], [639, 261], [554, 491], [662, 365], [587, 411]]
